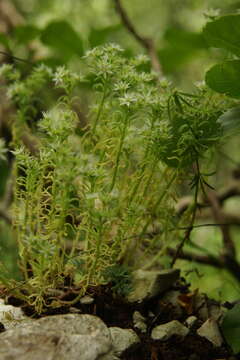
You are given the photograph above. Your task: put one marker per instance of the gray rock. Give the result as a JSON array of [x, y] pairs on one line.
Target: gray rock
[[139, 321], [191, 321], [147, 284], [74, 310], [172, 298], [210, 331], [11, 316], [165, 331], [208, 308], [109, 356], [217, 312], [122, 339], [86, 300], [201, 306], [58, 337]]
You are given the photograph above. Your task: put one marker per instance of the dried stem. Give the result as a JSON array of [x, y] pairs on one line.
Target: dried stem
[[231, 190], [218, 262], [147, 43], [218, 214]]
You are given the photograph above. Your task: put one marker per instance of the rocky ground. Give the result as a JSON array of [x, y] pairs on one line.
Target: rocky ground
[[160, 320]]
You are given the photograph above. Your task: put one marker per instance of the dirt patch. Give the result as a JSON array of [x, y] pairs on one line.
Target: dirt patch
[[115, 311]]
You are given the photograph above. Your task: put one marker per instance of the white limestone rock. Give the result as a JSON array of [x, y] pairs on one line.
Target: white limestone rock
[[210, 331], [191, 321], [148, 284], [139, 322], [122, 339], [11, 316], [166, 331], [70, 336]]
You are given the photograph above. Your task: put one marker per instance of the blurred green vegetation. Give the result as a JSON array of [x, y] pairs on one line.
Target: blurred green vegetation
[[174, 25]]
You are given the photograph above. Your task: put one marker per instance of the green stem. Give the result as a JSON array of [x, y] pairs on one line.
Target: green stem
[[138, 183], [100, 109], [158, 202], [194, 212], [153, 169], [126, 253], [97, 253], [123, 134]]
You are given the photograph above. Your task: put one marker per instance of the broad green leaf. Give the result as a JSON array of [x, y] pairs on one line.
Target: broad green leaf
[[225, 78], [62, 37], [100, 36], [170, 62], [184, 43], [224, 33], [185, 39], [25, 33], [51, 61], [4, 40], [231, 328], [230, 121]]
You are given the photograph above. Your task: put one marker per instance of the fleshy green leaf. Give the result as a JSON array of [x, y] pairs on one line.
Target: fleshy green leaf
[[100, 36], [185, 44], [225, 78], [4, 40], [231, 328], [63, 38], [230, 121], [224, 33], [25, 33], [186, 39]]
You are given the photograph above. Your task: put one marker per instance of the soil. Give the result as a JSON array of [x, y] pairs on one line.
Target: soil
[[115, 311]]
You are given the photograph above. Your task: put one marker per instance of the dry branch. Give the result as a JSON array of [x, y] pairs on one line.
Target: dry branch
[[226, 193], [146, 43], [218, 214]]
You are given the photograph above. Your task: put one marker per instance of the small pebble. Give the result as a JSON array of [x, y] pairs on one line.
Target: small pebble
[[86, 300]]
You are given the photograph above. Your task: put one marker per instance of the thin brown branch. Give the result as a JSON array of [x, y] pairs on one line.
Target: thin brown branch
[[223, 262], [202, 259], [230, 191], [147, 43], [218, 214], [12, 57], [188, 232]]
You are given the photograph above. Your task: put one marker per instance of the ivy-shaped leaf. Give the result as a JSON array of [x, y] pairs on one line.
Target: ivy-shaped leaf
[[224, 33], [100, 36], [225, 78], [231, 328], [25, 33], [62, 37], [4, 40]]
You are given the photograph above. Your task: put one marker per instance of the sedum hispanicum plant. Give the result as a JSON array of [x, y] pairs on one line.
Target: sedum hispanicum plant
[[97, 200]]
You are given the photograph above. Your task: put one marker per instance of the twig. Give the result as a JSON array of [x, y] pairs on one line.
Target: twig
[[12, 57], [226, 193], [229, 250], [205, 225], [218, 262], [147, 43], [202, 259], [229, 246], [193, 217]]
